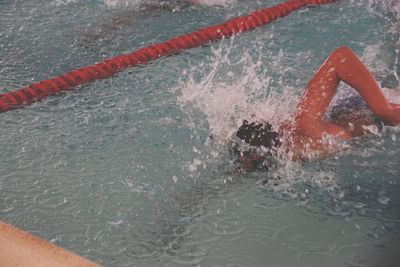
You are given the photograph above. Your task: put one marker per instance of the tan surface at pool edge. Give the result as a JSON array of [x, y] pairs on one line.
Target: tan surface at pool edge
[[19, 248]]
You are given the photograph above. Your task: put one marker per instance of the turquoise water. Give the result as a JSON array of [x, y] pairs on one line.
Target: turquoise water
[[123, 171]]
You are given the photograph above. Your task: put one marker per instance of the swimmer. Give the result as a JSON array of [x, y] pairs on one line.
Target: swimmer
[[131, 16], [309, 135], [171, 5]]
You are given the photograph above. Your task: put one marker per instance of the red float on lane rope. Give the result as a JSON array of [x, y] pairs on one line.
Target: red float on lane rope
[[109, 67]]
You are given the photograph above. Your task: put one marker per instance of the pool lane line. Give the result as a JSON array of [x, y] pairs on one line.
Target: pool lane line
[[107, 68]]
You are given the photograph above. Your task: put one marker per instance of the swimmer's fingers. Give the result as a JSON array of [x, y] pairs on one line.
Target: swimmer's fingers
[[391, 116]]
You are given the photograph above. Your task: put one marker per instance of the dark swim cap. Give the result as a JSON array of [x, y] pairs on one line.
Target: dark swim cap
[[259, 134]]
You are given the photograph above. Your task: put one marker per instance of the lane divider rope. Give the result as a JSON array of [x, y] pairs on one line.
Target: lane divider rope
[[107, 68]]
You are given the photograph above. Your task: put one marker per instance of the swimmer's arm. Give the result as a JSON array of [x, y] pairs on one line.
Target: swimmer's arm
[[318, 129], [341, 65], [359, 124], [18, 248]]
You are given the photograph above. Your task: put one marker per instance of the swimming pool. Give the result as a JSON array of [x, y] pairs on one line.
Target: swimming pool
[[123, 171]]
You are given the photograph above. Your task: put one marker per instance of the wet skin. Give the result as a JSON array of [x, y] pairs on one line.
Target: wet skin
[[306, 136]]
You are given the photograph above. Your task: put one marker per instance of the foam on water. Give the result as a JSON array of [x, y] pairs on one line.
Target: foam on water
[[387, 6]]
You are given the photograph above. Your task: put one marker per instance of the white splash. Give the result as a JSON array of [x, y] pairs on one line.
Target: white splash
[[382, 64], [376, 59], [229, 91], [232, 91], [195, 165], [392, 94], [387, 6]]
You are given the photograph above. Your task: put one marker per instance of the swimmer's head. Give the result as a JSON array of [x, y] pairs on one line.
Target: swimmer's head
[[259, 135], [258, 150]]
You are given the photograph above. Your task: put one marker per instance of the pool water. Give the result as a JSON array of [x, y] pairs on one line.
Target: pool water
[[135, 170]]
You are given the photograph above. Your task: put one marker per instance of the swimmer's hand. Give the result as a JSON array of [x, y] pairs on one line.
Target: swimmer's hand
[[391, 116]]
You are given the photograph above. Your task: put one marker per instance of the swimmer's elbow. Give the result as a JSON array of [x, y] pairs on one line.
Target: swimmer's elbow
[[343, 50]]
